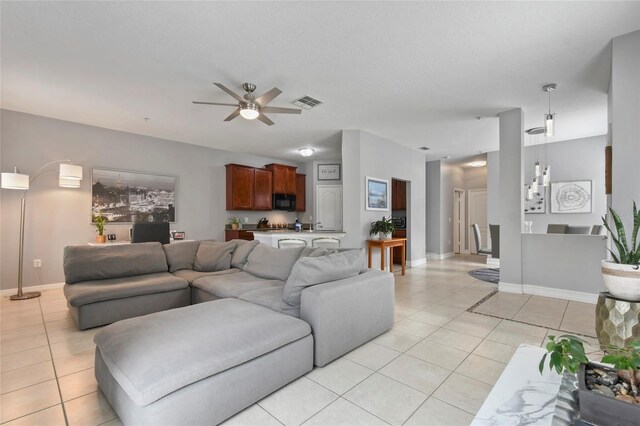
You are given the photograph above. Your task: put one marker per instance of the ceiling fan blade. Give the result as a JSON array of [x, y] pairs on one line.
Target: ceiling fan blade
[[280, 110], [213, 103], [229, 92], [265, 120], [268, 97], [233, 115]]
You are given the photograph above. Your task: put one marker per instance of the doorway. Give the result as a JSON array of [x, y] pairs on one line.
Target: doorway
[[459, 222], [329, 207], [478, 214], [400, 213]]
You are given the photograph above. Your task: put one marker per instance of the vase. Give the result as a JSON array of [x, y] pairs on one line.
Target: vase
[[385, 236], [234, 226], [617, 321], [101, 239], [622, 281]]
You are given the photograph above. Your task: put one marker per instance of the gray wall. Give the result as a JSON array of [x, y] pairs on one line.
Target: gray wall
[[511, 183], [433, 214], [365, 154], [578, 159], [493, 187], [57, 217], [452, 177], [624, 98], [568, 262]]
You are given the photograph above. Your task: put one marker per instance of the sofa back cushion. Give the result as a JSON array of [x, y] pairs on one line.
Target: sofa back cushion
[[181, 255], [272, 263], [213, 256], [88, 263], [309, 271], [242, 252], [314, 252]]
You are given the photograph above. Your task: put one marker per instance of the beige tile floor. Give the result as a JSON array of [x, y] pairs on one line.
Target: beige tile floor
[[434, 368]]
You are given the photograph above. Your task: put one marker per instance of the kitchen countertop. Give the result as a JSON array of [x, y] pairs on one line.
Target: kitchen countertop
[[291, 233]]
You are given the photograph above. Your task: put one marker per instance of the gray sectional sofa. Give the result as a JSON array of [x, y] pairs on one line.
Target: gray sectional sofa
[[259, 318]]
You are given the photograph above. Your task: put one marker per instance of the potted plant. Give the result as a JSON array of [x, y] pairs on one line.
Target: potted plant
[[622, 275], [383, 228], [100, 221], [606, 395], [235, 222]]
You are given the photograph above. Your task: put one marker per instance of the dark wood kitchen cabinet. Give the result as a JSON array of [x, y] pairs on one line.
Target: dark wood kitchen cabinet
[[284, 178], [398, 195], [397, 255], [301, 192], [248, 188]]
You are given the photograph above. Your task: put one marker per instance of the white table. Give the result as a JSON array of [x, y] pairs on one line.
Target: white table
[[522, 396]]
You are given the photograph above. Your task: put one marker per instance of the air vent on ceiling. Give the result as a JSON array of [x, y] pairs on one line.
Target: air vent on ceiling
[[424, 148], [307, 102]]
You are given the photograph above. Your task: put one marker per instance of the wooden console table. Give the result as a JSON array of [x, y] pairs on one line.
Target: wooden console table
[[392, 244]]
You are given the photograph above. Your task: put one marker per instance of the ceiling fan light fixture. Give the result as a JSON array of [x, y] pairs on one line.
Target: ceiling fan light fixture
[[306, 152], [249, 111]]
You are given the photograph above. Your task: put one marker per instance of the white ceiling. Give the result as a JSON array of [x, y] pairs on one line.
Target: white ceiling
[[417, 73]]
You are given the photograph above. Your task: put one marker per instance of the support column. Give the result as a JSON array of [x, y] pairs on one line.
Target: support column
[[511, 211]]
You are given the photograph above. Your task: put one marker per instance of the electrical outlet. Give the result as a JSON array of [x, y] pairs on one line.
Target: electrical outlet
[[246, 220], [37, 263]]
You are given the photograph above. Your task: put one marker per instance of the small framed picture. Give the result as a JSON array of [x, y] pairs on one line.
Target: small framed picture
[[377, 193], [178, 235], [328, 171], [571, 197]]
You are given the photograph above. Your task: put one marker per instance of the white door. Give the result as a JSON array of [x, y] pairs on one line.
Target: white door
[[329, 207], [478, 214], [459, 229]]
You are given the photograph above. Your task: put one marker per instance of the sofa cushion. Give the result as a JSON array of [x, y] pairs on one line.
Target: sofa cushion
[[309, 271], [272, 263], [213, 256], [86, 263], [154, 355], [242, 252], [233, 285], [86, 292], [191, 275], [271, 298], [181, 255], [314, 252]]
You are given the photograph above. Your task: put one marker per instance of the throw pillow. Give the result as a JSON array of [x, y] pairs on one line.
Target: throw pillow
[[272, 263], [213, 256], [181, 255], [314, 252], [242, 252], [310, 271]]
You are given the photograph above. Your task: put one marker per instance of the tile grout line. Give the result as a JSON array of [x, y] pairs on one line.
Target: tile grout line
[[55, 371]]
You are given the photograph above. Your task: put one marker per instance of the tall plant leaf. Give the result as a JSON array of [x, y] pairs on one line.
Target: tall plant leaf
[[636, 227], [622, 236]]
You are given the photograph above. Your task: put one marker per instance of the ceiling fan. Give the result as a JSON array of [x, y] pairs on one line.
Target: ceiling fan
[[250, 107]]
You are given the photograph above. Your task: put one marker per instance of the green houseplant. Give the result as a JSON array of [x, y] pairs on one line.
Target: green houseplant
[[622, 276], [235, 222], [100, 222], [384, 228]]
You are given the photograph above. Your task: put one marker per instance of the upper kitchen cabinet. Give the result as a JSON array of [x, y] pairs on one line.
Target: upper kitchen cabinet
[[398, 195], [284, 178], [301, 192], [248, 188]]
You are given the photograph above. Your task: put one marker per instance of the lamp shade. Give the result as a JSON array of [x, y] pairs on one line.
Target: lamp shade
[[70, 171], [15, 181], [68, 183]]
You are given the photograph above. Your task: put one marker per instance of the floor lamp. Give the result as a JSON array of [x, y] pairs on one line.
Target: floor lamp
[[70, 176]]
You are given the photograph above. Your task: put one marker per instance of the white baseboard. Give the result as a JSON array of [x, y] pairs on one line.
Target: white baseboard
[[43, 287], [560, 293], [556, 293], [509, 287], [416, 262], [494, 263]]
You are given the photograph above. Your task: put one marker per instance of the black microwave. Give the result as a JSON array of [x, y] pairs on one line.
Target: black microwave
[[284, 202]]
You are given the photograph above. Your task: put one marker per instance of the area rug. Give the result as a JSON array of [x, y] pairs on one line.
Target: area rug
[[491, 275]]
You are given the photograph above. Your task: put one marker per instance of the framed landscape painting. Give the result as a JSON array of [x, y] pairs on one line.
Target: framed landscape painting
[[571, 197], [377, 193], [132, 197]]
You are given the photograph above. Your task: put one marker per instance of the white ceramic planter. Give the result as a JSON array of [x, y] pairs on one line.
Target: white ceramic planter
[[384, 236], [622, 281]]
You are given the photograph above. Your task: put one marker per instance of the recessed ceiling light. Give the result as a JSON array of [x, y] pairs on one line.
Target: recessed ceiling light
[[306, 152], [478, 163]]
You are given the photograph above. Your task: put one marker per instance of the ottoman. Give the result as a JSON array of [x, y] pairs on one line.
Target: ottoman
[[199, 364]]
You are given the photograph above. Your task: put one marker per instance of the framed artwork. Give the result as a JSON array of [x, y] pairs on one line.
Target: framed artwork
[[125, 197], [328, 171], [538, 204], [571, 197], [377, 193]]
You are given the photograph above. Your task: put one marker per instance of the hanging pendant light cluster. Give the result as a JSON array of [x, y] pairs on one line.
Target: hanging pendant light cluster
[[541, 173]]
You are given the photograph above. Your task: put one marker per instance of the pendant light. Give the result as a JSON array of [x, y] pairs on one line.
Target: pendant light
[[549, 122]]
